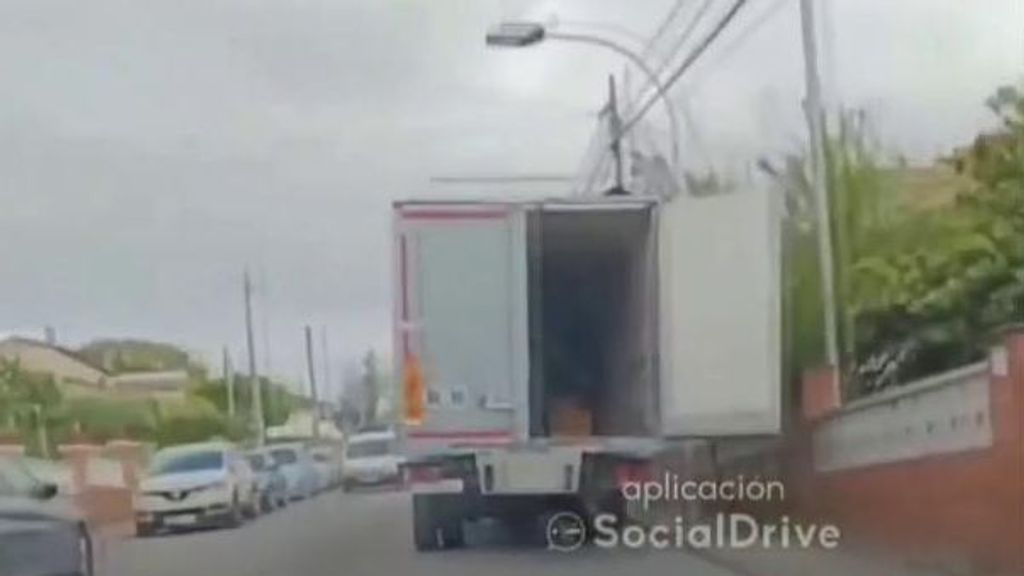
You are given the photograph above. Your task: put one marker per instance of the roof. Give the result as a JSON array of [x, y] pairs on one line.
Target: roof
[[163, 379], [59, 349]]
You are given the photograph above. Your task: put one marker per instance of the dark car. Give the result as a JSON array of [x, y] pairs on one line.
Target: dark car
[[39, 534], [270, 481]]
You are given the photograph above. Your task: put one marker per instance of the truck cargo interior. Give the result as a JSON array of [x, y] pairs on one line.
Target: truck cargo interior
[[593, 327]]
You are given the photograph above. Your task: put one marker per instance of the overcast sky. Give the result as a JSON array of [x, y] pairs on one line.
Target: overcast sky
[[151, 149]]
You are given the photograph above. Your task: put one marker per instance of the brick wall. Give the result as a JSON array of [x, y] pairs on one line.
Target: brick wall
[[968, 501]]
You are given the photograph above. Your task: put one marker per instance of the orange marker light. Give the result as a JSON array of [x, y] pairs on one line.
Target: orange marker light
[[415, 392]]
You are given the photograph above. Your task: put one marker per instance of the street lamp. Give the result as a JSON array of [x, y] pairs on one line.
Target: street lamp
[[523, 34]]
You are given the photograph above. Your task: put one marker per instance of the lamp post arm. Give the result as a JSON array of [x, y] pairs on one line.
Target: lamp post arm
[[637, 61]]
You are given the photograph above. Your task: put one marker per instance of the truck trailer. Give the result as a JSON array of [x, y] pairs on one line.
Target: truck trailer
[[551, 349]]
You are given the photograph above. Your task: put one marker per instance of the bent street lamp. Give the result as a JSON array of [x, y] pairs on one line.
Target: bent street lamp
[[522, 34]]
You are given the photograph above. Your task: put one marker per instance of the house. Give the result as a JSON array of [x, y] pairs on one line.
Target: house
[[73, 374], [77, 376], [162, 385]]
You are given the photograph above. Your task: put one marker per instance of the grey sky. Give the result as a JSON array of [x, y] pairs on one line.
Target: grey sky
[[151, 149]]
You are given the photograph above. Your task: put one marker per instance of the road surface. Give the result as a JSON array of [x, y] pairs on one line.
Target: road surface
[[368, 534]]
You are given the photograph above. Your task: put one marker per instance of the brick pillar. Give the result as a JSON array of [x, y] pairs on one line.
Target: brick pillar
[[819, 392], [131, 456], [78, 457], [1007, 368]]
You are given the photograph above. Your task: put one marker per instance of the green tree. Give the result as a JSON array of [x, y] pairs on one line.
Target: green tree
[[918, 290], [28, 404], [278, 402]]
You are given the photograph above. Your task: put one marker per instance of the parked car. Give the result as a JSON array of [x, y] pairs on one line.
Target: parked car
[[296, 463], [196, 485], [327, 460], [371, 458], [271, 484], [40, 534]]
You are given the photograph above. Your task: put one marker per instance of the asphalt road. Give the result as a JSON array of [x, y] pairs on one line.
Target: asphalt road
[[368, 534]]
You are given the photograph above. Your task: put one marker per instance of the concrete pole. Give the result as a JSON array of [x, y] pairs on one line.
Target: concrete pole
[[257, 395], [815, 123], [312, 382], [325, 352], [229, 382]]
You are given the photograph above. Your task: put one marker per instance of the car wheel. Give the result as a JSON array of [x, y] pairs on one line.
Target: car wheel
[[235, 516], [144, 530]]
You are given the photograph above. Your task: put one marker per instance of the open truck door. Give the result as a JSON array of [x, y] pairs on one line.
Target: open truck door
[[719, 321], [461, 323]]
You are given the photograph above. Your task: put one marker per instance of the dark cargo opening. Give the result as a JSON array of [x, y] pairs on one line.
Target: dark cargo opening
[[592, 327]]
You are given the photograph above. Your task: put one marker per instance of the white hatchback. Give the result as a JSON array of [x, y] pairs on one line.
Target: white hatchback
[[371, 458], [196, 485]]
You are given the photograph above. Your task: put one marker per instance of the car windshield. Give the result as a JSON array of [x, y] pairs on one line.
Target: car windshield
[[15, 480], [257, 461], [284, 456], [190, 462], [368, 449]]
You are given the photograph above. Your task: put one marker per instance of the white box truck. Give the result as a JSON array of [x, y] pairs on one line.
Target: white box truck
[[558, 346]]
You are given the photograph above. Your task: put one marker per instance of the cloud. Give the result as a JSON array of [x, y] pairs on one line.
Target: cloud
[[151, 150]]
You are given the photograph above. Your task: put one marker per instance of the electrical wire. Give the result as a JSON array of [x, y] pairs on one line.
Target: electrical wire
[[662, 28], [687, 63], [730, 49], [672, 53]]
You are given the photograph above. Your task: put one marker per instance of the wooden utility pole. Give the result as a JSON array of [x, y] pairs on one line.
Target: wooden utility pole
[[312, 382], [257, 394]]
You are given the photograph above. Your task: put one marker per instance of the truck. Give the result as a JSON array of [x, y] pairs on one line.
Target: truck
[[551, 350]]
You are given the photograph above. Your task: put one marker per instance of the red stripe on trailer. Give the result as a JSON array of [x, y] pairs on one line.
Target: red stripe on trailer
[[460, 434], [403, 273], [481, 214]]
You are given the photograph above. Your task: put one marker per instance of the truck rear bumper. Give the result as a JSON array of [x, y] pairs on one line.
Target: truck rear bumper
[[443, 486]]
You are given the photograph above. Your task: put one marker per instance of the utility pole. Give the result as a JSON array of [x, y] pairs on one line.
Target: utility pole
[[325, 352], [815, 123], [257, 394], [615, 127], [42, 434], [229, 382], [312, 382]]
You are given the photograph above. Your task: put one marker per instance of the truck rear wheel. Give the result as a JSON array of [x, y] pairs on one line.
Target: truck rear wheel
[[437, 522]]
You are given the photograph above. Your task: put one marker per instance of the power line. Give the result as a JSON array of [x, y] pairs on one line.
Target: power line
[[690, 60], [674, 50], [730, 49], [665, 23], [680, 42]]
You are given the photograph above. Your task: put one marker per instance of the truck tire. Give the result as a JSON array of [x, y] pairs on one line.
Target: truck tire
[[437, 523]]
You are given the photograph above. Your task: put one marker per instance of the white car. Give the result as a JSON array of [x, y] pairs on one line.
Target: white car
[[371, 458], [296, 464], [327, 461], [196, 485]]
